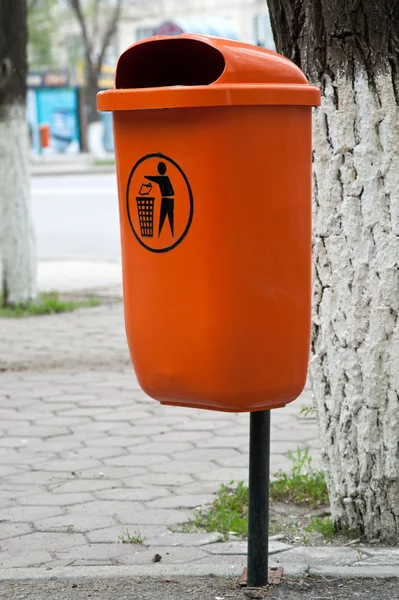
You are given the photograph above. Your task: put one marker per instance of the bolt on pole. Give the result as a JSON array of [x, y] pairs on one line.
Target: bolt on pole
[[258, 502]]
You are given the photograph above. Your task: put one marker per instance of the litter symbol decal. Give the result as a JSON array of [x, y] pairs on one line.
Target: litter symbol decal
[[159, 203]]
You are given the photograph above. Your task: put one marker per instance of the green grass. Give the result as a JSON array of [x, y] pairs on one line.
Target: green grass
[[47, 304], [128, 538], [304, 485], [323, 526], [308, 411], [103, 162], [69, 528], [275, 527], [228, 513]]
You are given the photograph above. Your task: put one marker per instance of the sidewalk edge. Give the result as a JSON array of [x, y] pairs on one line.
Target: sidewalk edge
[[188, 570], [57, 172]]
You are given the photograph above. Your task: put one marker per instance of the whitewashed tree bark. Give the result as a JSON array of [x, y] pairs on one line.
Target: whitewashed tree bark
[[351, 49], [17, 242]]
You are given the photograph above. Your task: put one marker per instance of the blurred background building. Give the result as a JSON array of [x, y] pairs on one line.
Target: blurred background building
[[245, 20], [58, 79]]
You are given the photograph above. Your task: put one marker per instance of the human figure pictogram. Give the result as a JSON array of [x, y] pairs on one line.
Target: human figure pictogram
[[167, 193]]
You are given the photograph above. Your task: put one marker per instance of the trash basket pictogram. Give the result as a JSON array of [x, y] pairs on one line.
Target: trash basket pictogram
[[145, 208], [216, 255]]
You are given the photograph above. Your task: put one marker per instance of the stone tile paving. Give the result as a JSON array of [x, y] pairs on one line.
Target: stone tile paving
[[87, 459], [86, 339], [86, 456]]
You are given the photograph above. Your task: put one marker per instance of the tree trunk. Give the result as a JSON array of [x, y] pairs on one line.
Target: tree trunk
[[350, 48], [17, 245], [92, 90]]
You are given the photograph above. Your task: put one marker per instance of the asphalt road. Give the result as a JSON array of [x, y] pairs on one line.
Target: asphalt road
[[76, 217], [204, 588]]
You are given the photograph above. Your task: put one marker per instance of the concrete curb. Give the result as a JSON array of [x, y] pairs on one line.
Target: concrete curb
[[80, 277], [388, 571], [70, 170], [191, 570], [155, 571]]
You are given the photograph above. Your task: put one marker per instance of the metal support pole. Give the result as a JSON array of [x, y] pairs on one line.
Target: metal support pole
[[258, 503]]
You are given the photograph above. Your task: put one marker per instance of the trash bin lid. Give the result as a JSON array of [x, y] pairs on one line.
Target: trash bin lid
[[195, 70]]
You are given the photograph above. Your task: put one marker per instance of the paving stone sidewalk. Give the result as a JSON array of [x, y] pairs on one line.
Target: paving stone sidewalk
[[86, 456]]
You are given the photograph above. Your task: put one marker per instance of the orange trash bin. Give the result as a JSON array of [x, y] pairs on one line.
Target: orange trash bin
[[213, 154]]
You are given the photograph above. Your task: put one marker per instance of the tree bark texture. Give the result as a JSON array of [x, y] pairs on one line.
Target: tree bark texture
[[92, 89], [350, 48], [96, 40], [17, 243]]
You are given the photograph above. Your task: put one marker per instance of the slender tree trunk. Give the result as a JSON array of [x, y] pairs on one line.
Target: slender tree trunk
[[95, 44], [350, 48], [17, 244], [91, 93]]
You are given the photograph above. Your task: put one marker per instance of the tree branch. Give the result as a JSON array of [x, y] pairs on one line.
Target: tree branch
[[96, 11], [32, 5], [77, 8], [109, 32]]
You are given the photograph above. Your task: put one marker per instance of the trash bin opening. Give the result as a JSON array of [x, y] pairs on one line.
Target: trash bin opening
[[161, 63]]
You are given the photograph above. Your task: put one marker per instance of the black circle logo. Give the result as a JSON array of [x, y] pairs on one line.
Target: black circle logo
[[159, 203]]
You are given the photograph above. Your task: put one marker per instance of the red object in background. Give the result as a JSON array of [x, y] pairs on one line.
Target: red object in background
[[44, 129]]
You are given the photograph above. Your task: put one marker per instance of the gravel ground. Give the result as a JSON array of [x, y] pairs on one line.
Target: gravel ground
[[204, 588]]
